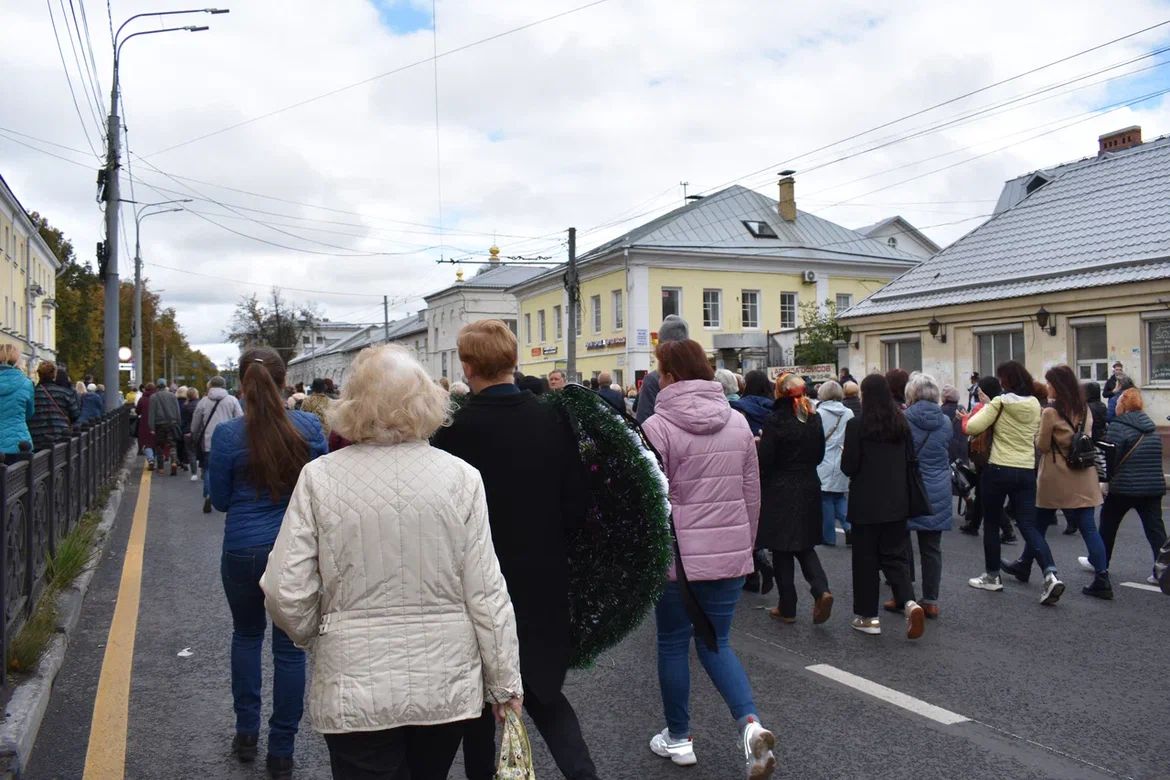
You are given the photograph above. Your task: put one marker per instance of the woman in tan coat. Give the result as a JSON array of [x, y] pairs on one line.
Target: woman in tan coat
[[1074, 491], [385, 571]]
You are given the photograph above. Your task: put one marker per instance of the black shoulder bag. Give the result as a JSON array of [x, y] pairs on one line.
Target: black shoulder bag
[[919, 502], [198, 442]]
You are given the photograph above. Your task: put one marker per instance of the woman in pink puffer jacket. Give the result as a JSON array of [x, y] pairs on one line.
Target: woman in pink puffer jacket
[[709, 455]]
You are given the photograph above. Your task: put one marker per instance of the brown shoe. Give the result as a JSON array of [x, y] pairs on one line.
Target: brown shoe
[[774, 612], [889, 605], [931, 611], [823, 608]]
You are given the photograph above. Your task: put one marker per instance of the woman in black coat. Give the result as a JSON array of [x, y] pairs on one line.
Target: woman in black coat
[[876, 456], [792, 445]]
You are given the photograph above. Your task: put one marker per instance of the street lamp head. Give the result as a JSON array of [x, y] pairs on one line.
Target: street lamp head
[[196, 28]]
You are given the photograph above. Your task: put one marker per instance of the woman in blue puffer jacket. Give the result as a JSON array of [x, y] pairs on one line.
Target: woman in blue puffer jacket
[[931, 433], [755, 402], [16, 403]]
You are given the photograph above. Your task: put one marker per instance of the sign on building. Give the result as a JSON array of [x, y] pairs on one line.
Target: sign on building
[[821, 372]]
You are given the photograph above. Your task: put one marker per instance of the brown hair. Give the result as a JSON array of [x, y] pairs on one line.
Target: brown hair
[[897, 378], [684, 360], [1067, 398], [489, 347], [1130, 401], [276, 450], [46, 371]]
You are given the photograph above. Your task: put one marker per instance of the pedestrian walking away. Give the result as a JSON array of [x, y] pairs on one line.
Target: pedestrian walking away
[[834, 484], [384, 557], [17, 404], [1013, 417], [711, 464], [755, 403], [876, 458], [214, 408], [254, 464], [535, 493], [56, 407], [791, 449], [165, 419]]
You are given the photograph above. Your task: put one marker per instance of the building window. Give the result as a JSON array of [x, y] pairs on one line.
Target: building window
[[997, 348], [577, 317], [750, 308], [759, 229], [618, 377], [618, 311], [557, 324], [527, 330], [540, 325], [892, 242], [671, 301], [595, 312], [444, 356], [1158, 350], [1092, 352], [905, 354], [712, 308], [787, 310], [844, 301]]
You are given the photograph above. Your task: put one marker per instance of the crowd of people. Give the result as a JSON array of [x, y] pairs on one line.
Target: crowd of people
[[390, 522]]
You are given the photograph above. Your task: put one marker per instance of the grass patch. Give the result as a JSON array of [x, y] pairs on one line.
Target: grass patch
[[29, 645], [73, 555]]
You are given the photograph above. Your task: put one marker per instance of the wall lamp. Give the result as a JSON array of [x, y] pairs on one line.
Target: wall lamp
[[1046, 321], [937, 330]]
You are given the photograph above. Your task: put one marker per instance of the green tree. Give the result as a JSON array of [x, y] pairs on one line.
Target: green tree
[[79, 304], [818, 334], [273, 322]]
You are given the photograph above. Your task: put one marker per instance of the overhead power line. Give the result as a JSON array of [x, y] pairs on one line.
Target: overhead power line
[[371, 79], [69, 81], [84, 67], [266, 286]]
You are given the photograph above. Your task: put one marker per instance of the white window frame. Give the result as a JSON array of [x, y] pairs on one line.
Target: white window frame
[[616, 297], [848, 301], [527, 327], [795, 310], [558, 322], [679, 298], [754, 323], [896, 340], [1092, 363], [716, 307], [995, 330], [1148, 318], [595, 312], [540, 325]]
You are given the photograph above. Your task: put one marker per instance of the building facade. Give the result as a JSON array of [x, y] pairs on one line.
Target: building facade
[[484, 296], [334, 361], [28, 282], [737, 266], [1073, 268]]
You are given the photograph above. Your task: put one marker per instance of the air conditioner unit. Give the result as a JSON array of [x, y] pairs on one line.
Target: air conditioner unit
[[809, 277]]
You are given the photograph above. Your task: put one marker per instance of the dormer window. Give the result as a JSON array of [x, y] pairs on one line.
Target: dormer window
[[1036, 183], [759, 229], [892, 242]]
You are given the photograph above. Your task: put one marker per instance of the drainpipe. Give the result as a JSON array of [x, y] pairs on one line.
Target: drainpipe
[[628, 371]]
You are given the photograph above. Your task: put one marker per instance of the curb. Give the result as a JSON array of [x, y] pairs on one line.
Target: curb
[[30, 699]]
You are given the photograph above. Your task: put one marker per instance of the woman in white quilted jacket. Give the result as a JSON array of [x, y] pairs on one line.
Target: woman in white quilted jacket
[[384, 570]]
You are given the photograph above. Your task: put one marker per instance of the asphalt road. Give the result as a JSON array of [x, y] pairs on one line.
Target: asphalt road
[[1074, 691]]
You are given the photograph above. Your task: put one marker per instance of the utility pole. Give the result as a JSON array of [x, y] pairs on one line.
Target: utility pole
[[573, 287], [386, 318], [109, 259]]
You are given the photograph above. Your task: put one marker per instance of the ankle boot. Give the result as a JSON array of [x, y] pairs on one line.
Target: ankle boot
[[1100, 587]]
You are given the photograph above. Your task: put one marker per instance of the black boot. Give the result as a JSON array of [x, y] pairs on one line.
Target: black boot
[[244, 748], [280, 768], [1069, 530], [1017, 569], [969, 528], [1100, 587], [1007, 537]]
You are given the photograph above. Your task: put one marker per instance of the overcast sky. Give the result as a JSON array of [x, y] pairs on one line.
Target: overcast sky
[[583, 120]]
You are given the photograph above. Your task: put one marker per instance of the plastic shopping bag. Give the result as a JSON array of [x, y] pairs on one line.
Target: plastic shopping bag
[[515, 751]]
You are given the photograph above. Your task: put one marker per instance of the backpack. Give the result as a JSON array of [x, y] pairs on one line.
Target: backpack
[[1082, 450]]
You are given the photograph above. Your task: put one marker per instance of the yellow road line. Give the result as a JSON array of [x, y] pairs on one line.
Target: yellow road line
[[105, 758]]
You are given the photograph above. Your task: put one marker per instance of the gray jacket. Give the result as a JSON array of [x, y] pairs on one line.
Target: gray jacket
[[164, 410], [225, 408], [647, 394]]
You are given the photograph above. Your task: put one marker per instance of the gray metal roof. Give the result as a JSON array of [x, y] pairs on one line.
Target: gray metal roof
[[499, 278], [368, 336], [904, 226], [1098, 222]]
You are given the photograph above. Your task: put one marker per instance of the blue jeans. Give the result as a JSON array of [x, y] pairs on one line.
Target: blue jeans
[[241, 571], [718, 599], [1083, 520], [997, 484], [833, 508]]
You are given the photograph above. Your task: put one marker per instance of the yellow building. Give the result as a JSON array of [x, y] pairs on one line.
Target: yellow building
[[28, 283], [1073, 268], [736, 265]]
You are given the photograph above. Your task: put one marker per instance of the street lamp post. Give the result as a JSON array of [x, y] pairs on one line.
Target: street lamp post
[[109, 258], [141, 213]]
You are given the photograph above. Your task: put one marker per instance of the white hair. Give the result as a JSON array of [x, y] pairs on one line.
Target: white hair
[[922, 387], [388, 399], [459, 388], [830, 391], [728, 380]]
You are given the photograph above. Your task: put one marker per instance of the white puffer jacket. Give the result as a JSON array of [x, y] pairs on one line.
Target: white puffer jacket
[[384, 570], [834, 415]]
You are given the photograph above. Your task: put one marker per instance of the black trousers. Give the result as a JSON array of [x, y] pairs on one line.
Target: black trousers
[[1149, 509], [407, 753], [810, 567], [883, 547], [557, 723]]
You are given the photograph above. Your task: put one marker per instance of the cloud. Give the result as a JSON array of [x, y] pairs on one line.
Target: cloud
[[586, 119]]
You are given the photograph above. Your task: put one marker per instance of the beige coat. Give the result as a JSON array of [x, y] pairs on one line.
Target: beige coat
[[385, 571], [1058, 486]]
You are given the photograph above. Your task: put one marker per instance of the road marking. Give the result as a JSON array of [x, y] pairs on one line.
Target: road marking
[[889, 695], [105, 755], [1142, 586]]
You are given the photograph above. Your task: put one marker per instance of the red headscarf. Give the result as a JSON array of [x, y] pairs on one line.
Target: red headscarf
[[791, 386]]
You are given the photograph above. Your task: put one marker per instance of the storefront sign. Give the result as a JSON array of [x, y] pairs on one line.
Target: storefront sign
[[550, 350], [821, 372], [619, 341], [535, 352]]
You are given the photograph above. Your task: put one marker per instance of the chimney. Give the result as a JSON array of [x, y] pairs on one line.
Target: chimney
[[1126, 138], [787, 196]]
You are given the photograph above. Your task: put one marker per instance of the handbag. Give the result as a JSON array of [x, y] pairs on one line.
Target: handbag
[[919, 503], [980, 447], [515, 751], [198, 441]]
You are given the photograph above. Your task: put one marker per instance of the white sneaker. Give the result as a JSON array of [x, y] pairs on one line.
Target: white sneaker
[[986, 582], [866, 625], [194, 477], [1083, 560], [758, 743], [682, 752], [1053, 590], [915, 620], [1152, 580]]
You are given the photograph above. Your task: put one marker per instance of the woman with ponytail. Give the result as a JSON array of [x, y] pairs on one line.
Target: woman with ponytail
[[792, 445], [253, 466]]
